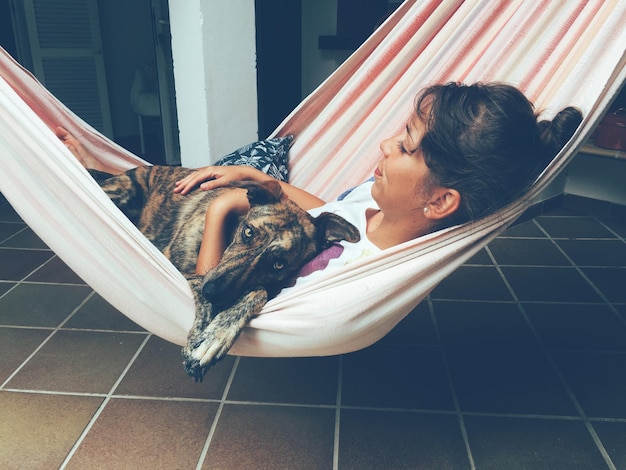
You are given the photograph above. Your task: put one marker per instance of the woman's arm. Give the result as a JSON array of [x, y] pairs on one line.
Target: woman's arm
[[211, 177], [214, 238]]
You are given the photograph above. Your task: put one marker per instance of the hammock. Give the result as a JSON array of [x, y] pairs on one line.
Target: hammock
[[559, 53]]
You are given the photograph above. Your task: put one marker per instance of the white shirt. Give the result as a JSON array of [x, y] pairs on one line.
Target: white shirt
[[353, 208]]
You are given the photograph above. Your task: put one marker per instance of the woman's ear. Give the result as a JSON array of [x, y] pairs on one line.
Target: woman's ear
[[443, 203]]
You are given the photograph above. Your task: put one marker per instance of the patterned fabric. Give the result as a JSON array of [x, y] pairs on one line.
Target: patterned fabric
[[269, 156]]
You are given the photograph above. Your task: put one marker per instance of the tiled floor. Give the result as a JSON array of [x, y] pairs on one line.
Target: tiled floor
[[517, 360]]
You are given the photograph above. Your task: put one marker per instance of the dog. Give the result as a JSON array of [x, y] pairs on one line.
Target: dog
[[267, 247]]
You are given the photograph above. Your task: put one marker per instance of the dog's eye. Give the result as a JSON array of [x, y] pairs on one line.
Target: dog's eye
[[247, 232], [278, 265]]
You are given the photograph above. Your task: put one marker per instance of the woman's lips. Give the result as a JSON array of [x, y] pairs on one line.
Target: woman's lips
[[377, 172]]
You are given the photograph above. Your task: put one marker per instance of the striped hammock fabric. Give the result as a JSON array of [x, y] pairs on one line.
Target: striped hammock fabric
[[561, 53]]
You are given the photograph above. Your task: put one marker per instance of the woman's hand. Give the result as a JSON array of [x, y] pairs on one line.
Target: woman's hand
[[211, 177]]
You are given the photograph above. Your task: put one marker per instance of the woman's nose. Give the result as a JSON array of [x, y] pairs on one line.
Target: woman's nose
[[385, 146]]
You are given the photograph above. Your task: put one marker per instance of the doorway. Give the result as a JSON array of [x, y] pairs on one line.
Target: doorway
[[105, 66], [279, 59]]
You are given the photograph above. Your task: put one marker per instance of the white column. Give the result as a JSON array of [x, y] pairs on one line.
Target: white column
[[214, 50]]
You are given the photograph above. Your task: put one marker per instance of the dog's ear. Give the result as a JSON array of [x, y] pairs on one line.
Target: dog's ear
[[261, 193], [332, 228]]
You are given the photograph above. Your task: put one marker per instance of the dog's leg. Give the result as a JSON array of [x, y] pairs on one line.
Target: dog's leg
[[210, 338]]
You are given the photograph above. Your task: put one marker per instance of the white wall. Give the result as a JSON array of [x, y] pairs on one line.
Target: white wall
[[213, 44]]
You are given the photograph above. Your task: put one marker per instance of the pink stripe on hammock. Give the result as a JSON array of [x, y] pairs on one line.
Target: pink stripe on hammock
[[338, 129]]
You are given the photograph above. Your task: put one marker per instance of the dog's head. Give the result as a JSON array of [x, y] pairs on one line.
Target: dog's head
[[270, 244]]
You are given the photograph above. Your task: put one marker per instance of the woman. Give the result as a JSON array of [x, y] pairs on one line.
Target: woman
[[468, 151]]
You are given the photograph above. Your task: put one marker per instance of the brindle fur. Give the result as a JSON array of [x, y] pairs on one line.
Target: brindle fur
[[268, 246]]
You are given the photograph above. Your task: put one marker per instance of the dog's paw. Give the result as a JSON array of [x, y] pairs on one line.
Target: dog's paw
[[194, 369], [210, 345], [198, 357]]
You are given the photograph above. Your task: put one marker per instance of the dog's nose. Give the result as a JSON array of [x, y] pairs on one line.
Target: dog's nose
[[209, 290]]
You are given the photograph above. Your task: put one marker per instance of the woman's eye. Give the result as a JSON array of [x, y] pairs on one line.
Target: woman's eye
[[278, 265], [247, 232], [401, 147]]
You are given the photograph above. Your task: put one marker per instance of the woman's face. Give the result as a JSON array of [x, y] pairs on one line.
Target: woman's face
[[401, 176]]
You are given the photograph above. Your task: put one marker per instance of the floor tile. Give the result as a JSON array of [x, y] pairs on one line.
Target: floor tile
[[581, 327], [8, 214], [519, 381], [481, 258], [17, 264], [40, 304], [549, 284], [143, 434], [25, 238], [5, 287], [617, 225], [486, 324], [610, 281], [595, 252], [158, 372], [393, 440], [472, 283], [8, 230], [540, 444], [272, 437], [416, 328], [98, 314], [286, 380], [573, 227], [78, 361], [396, 376], [613, 436], [37, 431], [57, 271], [598, 380], [16, 344], [525, 229], [527, 252]]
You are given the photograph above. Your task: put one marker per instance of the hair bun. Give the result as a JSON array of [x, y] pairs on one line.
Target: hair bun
[[555, 134]]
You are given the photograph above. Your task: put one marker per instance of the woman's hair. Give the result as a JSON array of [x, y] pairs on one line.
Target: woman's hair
[[484, 141]]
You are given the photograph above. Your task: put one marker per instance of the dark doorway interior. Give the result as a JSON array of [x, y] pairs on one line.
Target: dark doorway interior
[[7, 38], [279, 57]]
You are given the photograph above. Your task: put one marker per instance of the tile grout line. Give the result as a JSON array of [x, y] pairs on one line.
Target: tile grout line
[[338, 414], [570, 393], [218, 414], [105, 402], [617, 235], [23, 229], [309, 406], [455, 399]]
